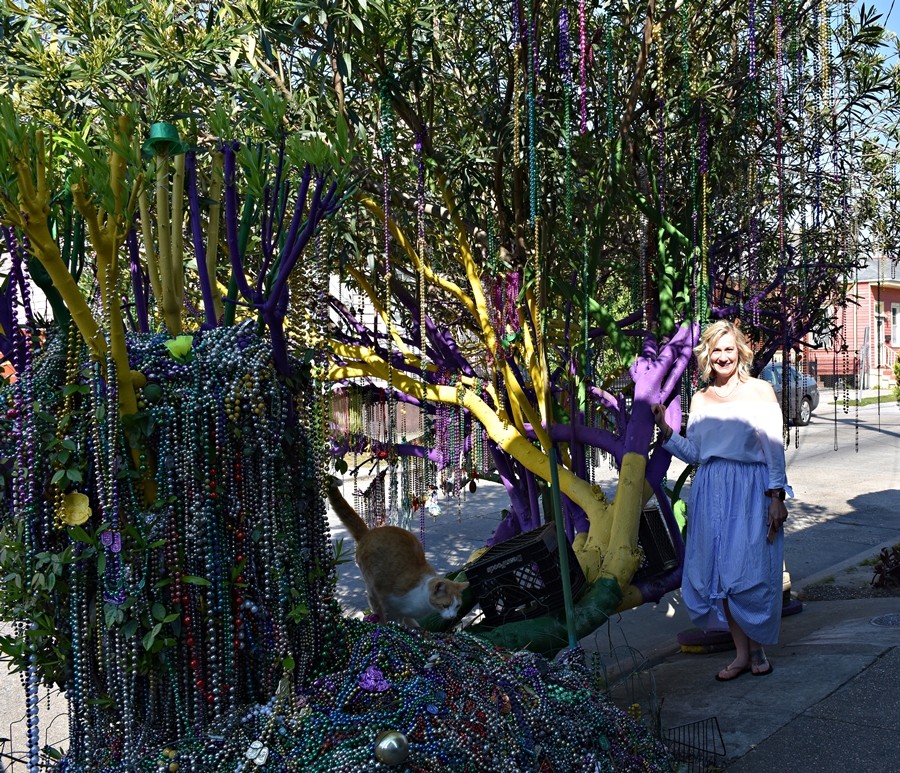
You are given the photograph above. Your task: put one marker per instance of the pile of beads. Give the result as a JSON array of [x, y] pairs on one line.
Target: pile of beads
[[421, 702]]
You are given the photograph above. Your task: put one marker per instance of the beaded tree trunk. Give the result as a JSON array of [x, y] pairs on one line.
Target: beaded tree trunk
[[158, 621], [164, 533]]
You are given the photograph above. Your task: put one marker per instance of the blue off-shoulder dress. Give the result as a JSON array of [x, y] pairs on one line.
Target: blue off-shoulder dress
[[739, 448]]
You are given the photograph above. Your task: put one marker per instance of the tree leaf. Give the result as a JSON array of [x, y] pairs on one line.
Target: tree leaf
[[195, 580]]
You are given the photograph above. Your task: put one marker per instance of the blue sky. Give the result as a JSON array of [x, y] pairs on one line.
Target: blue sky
[[889, 10]]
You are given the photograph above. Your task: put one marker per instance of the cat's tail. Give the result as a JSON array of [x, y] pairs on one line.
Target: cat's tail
[[344, 510]]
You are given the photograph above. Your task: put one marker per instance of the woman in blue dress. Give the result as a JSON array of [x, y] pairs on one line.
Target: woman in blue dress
[[735, 545]]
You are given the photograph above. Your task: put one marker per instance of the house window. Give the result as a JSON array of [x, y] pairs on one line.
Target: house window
[[895, 318]]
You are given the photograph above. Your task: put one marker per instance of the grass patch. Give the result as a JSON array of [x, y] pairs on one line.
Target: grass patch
[[826, 581], [851, 569], [875, 560], [868, 400]]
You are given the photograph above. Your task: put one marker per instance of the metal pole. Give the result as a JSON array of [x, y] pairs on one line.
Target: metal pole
[[562, 542]]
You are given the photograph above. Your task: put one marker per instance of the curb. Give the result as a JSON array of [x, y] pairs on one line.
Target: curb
[[840, 567]]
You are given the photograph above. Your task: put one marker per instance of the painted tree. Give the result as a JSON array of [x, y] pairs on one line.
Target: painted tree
[[561, 199]]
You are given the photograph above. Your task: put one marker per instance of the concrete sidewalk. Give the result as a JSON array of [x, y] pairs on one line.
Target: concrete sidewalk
[[832, 702]]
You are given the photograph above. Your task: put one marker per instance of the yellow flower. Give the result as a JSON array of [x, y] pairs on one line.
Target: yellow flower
[[180, 347], [75, 509]]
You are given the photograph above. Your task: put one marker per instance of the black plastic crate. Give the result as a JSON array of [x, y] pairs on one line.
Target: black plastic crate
[[656, 544], [520, 579]]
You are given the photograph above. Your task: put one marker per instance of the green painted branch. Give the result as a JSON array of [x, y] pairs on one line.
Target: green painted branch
[[665, 286], [548, 635], [31, 216], [622, 343], [212, 241], [243, 236], [149, 249], [653, 214], [42, 279]]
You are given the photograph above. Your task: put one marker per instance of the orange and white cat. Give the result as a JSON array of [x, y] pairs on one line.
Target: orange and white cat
[[400, 584]]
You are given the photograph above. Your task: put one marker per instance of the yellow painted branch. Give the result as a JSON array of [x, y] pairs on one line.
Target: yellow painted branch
[[178, 226], [616, 537], [149, 249], [514, 391], [348, 353], [445, 284], [171, 304], [502, 433], [212, 231], [531, 362], [631, 598], [36, 210], [117, 166], [462, 239], [107, 239]]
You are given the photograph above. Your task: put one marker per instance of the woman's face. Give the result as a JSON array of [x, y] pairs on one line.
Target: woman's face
[[724, 358]]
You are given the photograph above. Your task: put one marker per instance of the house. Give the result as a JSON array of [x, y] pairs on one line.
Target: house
[[870, 330]]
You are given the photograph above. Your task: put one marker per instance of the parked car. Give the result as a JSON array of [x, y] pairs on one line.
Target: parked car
[[804, 396]]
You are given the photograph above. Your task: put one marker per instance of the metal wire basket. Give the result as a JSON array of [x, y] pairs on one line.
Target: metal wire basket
[[697, 746]]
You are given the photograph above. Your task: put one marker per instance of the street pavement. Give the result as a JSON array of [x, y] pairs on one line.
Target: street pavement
[[832, 702]]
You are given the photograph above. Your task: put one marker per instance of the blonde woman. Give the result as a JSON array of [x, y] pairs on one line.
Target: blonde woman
[[735, 545]]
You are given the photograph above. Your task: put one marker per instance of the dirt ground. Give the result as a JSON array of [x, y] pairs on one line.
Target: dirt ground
[[855, 582]]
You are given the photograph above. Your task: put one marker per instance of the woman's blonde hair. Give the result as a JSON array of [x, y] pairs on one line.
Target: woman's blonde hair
[[710, 338]]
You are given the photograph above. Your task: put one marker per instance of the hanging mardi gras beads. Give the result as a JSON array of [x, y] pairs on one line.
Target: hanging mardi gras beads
[[387, 148], [565, 66]]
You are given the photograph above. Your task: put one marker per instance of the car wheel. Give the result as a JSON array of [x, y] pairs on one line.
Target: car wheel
[[805, 413]]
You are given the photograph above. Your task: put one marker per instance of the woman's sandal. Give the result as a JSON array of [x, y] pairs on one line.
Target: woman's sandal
[[740, 671], [758, 660]]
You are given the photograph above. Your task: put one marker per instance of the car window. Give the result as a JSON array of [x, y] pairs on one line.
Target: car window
[[771, 375]]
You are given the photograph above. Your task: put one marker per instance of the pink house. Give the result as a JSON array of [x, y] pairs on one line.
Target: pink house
[[871, 331]]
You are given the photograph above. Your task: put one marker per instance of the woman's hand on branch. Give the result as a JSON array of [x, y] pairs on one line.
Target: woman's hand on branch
[[659, 416]]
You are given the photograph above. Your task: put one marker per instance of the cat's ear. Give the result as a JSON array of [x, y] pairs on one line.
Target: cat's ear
[[463, 585], [439, 587]]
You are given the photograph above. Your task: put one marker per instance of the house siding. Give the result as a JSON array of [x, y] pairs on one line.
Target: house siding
[[825, 363]]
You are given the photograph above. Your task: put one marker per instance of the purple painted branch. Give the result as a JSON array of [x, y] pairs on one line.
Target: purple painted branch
[[682, 344], [137, 282], [274, 307], [279, 170], [412, 450], [361, 330], [590, 436], [575, 519], [534, 504], [649, 371], [231, 224], [515, 522], [318, 208], [636, 316], [7, 307], [446, 353], [299, 209], [606, 399], [265, 226], [209, 310]]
